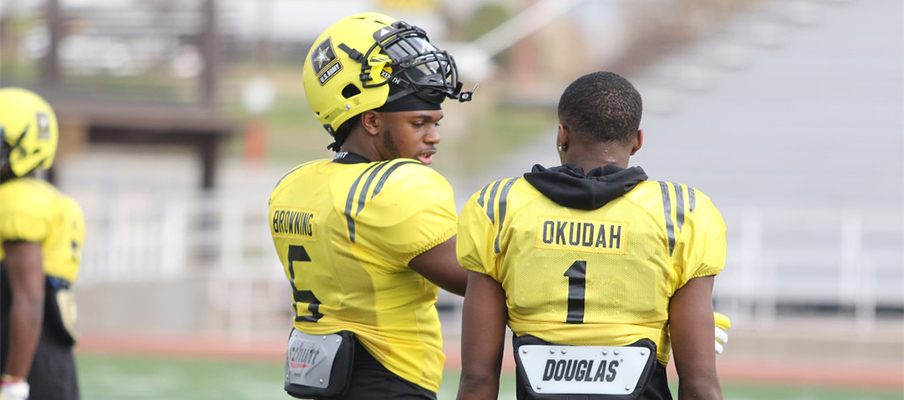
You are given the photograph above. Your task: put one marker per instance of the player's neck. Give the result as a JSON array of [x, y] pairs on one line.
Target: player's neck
[[358, 142], [591, 157]]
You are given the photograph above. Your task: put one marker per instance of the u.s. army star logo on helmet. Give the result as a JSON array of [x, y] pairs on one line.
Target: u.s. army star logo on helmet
[[324, 61], [43, 126]]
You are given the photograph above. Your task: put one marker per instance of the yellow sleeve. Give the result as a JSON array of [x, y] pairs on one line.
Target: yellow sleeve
[[476, 235], [701, 246], [23, 213], [63, 255], [413, 214]]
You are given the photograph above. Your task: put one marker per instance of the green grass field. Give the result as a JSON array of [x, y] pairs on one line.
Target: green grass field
[[112, 377]]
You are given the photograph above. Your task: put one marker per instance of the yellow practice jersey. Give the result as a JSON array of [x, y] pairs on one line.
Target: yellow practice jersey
[[600, 276], [345, 231], [33, 210]]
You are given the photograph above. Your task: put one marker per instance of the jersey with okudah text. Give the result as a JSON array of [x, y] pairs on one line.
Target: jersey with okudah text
[[345, 233], [33, 210], [599, 277]]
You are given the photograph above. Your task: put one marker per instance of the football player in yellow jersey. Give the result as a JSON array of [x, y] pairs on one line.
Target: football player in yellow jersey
[[367, 238], [41, 230], [598, 272]]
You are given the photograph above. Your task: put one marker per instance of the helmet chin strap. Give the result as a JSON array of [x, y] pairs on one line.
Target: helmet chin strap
[[352, 53]]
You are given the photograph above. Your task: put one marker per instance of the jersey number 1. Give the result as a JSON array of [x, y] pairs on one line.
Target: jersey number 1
[[298, 253], [577, 283]]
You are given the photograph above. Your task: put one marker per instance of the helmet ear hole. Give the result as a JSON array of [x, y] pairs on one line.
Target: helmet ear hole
[[350, 91]]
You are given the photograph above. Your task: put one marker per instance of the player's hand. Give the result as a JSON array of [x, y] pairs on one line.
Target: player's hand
[[722, 326], [14, 391]]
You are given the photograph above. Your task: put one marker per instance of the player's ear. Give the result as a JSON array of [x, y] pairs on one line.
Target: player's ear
[[562, 138], [371, 121], [638, 142]]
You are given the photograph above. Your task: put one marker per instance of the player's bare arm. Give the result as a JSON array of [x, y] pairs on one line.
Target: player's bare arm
[[483, 335], [26, 275], [440, 266], [690, 327]]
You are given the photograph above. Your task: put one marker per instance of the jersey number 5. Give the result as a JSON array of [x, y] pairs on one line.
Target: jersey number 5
[[298, 253]]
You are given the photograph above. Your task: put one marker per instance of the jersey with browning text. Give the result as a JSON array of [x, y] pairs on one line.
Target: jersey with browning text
[[599, 277], [345, 231], [33, 210]]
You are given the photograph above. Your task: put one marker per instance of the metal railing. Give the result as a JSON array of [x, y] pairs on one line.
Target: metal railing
[[845, 263]]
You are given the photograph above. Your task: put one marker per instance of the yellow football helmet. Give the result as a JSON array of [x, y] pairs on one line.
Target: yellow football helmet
[[352, 62], [29, 126]]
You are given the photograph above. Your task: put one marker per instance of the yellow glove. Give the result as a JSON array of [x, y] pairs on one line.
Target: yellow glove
[[722, 325]]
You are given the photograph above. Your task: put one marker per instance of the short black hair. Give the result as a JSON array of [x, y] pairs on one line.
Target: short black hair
[[601, 106]]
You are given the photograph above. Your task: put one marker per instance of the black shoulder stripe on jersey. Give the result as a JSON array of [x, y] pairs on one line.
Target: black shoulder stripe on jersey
[[673, 227], [490, 209], [350, 200], [385, 176], [667, 210], [483, 193], [503, 203], [362, 197], [679, 205], [352, 207]]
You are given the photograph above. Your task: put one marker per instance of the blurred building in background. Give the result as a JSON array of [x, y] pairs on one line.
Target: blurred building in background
[[179, 117]]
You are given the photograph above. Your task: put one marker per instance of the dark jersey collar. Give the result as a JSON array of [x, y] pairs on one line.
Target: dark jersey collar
[[344, 157]]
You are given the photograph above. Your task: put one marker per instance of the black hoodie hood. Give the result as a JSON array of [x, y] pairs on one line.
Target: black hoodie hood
[[568, 186]]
